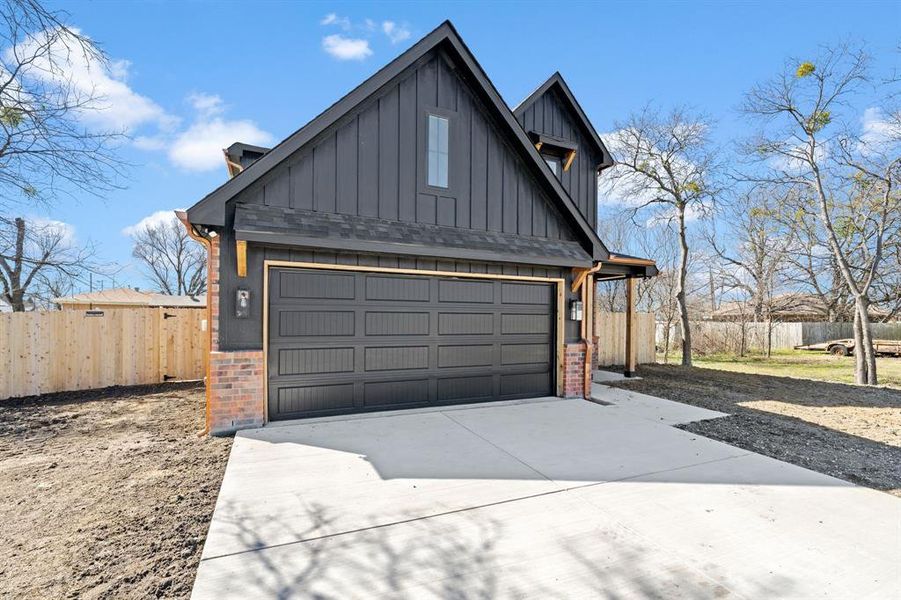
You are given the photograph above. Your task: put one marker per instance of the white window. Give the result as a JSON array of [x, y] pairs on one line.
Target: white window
[[554, 163], [438, 127]]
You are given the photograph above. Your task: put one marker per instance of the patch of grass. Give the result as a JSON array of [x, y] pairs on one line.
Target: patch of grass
[[803, 365]]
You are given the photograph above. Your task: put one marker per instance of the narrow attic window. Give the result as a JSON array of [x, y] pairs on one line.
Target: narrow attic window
[[553, 162], [438, 128]]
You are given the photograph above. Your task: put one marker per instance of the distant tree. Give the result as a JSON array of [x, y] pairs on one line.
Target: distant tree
[[668, 164], [847, 179], [35, 253], [173, 262], [44, 147]]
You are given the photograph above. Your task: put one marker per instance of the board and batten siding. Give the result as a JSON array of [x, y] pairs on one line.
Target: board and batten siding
[[549, 115], [373, 163]]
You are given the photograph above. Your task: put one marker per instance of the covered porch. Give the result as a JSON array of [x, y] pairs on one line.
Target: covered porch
[[618, 267]]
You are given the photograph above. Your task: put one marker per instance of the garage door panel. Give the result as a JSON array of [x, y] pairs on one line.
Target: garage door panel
[[525, 354], [526, 293], [390, 393], [365, 341], [470, 355], [465, 323], [396, 358], [301, 399], [466, 388], [310, 323], [309, 284], [469, 292], [520, 384], [517, 324], [315, 361], [397, 323], [406, 289]]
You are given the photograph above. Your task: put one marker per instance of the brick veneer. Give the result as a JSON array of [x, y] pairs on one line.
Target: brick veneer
[[235, 387], [236, 399], [212, 288], [574, 370]]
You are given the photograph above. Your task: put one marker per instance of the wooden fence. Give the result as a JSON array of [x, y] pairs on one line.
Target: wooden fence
[[726, 337], [42, 352], [610, 328]]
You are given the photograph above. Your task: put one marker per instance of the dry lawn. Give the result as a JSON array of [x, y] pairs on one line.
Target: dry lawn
[[106, 494]]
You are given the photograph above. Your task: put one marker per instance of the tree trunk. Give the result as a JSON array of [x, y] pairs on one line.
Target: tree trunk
[[769, 337], [860, 365], [869, 352], [680, 290], [666, 341], [16, 296]]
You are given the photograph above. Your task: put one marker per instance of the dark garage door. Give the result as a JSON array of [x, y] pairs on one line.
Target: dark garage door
[[346, 341]]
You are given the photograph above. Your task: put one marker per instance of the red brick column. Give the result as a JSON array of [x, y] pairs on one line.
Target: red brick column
[[213, 293], [236, 391], [574, 371], [235, 386]]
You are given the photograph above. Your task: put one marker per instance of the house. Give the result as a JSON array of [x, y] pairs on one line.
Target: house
[[127, 298], [418, 243], [792, 307]]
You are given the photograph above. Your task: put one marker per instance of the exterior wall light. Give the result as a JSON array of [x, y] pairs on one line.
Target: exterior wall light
[[575, 310], [242, 304]]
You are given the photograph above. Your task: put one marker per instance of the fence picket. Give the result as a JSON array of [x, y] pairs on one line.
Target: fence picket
[[42, 352]]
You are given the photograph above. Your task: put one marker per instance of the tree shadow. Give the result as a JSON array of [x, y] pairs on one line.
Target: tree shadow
[[468, 555]]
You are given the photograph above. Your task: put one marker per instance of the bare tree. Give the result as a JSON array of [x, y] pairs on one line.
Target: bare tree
[[851, 183], [34, 253], [669, 165], [45, 149], [172, 261]]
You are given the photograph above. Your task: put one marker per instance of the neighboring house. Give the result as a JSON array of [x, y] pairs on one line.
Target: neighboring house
[[790, 308], [127, 297], [418, 243]]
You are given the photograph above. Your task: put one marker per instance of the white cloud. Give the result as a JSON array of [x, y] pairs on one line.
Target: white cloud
[[160, 217], [396, 33], [115, 107], [50, 226], [199, 148], [206, 105], [345, 48], [333, 19], [878, 133]]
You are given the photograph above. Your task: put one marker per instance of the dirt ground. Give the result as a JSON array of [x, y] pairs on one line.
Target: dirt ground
[[850, 432], [106, 494]]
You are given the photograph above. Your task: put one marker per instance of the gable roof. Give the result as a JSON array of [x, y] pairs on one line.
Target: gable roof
[[557, 82], [211, 209]]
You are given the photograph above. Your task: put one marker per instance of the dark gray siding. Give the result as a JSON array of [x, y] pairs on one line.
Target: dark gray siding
[[247, 334], [372, 163], [550, 115]]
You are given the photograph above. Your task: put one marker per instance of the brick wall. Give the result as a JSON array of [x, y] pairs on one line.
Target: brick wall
[[212, 290], [574, 370], [236, 391]]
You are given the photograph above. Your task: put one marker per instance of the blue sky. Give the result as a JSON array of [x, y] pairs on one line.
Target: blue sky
[[189, 74]]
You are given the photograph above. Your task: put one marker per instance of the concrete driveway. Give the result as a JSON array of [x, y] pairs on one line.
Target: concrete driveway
[[546, 498]]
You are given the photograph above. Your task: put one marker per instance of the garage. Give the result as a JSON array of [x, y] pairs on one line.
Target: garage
[[344, 341]]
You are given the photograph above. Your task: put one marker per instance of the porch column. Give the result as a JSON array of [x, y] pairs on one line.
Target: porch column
[[629, 368]]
